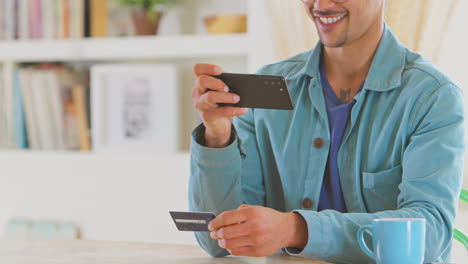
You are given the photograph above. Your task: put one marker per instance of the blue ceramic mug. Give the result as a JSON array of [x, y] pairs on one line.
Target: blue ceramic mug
[[395, 240]]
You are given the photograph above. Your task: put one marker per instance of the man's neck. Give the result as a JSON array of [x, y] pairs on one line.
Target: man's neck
[[351, 63], [347, 67]]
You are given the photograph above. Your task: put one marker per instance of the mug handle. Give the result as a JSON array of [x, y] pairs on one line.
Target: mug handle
[[362, 242]]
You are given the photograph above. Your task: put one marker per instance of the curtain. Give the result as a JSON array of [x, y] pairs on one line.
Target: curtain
[[436, 31], [293, 31], [420, 25]]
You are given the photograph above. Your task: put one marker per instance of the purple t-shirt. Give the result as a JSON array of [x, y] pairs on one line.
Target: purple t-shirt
[[331, 195]]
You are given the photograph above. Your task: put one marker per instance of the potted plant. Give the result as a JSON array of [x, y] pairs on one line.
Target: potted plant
[[146, 14]]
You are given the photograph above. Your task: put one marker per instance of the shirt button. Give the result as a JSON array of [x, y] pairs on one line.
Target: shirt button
[[307, 203], [318, 142]]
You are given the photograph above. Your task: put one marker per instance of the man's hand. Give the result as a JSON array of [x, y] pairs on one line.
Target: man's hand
[[257, 231], [206, 95]]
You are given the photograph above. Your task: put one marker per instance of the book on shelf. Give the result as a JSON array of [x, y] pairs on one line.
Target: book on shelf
[[7, 19], [20, 137], [64, 19], [6, 130], [49, 108], [98, 18], [81, 107], [48, 19]]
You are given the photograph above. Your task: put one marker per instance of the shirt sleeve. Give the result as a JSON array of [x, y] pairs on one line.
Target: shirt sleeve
[[432, 169], [223, 179]]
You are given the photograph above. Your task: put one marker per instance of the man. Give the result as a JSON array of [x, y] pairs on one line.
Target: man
[[377, 132]]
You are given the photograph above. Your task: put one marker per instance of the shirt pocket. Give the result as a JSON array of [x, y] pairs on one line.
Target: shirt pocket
[[380, 189]]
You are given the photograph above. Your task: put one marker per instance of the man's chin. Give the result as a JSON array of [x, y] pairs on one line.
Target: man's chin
[[333, 43]]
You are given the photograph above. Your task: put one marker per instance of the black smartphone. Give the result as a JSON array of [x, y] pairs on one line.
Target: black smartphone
[[258, 91]]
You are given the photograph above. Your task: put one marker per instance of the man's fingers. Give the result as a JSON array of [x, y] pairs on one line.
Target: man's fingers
[[213, 98], [233, 111], [228, 218], [206, 69], [232, 231], [243, 251], [235, 243], [205, 82]]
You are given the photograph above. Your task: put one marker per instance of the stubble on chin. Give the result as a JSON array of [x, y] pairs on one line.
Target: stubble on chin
[[340, 42]]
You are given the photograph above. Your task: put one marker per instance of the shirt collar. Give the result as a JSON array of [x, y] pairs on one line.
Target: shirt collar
[[386, 68]]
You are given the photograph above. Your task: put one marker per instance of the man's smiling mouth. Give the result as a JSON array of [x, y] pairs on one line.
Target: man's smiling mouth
[[331, 20]]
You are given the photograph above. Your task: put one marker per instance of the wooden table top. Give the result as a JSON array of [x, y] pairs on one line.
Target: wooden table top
[[96, 252]]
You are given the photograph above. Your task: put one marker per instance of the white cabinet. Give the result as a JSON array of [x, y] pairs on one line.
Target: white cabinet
[[125, 196]]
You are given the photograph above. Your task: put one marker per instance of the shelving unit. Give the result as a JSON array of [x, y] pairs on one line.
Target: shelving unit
[[104, 192], [237, 52]]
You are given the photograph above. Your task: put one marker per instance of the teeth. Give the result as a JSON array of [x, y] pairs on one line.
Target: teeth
[[330, 20]]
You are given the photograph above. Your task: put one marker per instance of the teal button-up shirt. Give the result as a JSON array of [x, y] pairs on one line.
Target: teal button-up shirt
[[401, 155]]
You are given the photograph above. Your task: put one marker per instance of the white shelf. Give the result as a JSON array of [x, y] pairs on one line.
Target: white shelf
[[125, 48]]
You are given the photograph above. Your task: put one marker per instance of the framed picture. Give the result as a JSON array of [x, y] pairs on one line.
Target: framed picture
[[134, 107]]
